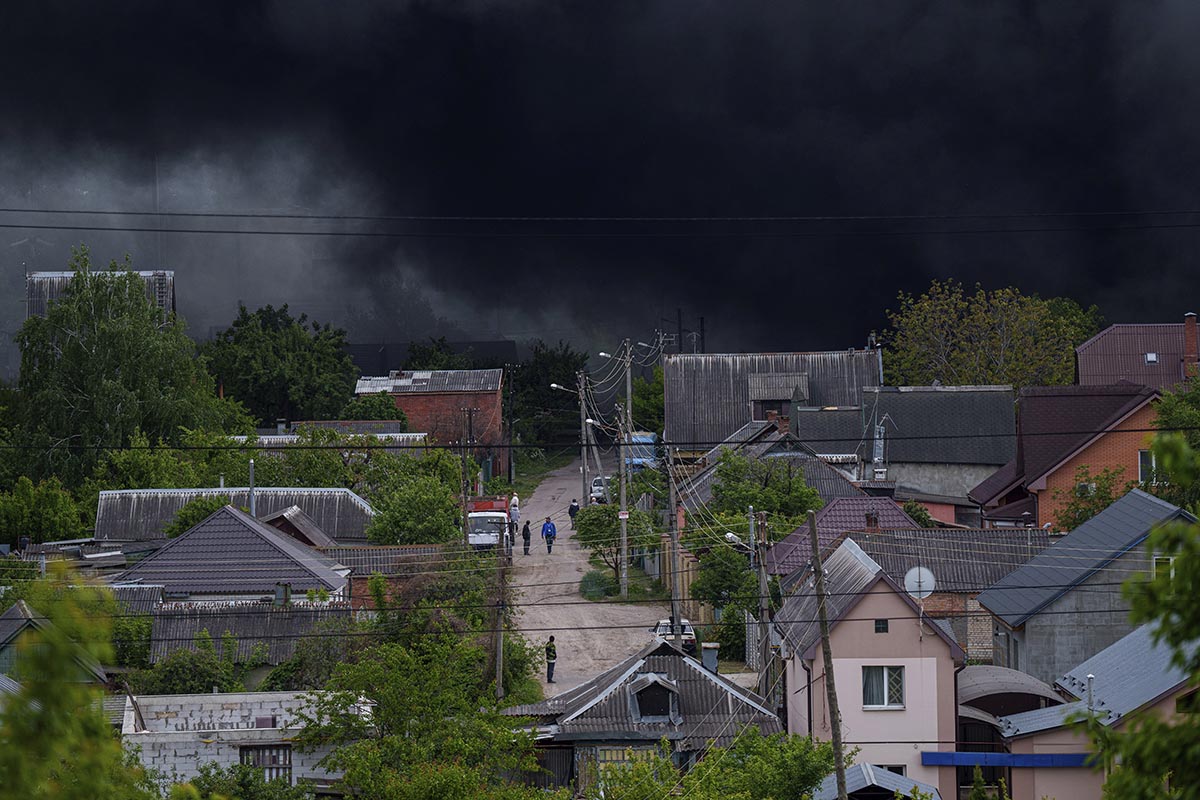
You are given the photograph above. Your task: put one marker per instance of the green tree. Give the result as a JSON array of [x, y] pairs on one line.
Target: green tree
[[1179, 412], [979, 790], [103, 365], [44, 512], [648, 402], [193, 513], [598, 529], [55, 741], [283, 367], [919, 514], [773, 485], [185, 671], [239, 782], [434, 731], [985, 337], [1153, 757], [546, 416], [420, 509], [374, 406], [437, 354], [1090, 494]]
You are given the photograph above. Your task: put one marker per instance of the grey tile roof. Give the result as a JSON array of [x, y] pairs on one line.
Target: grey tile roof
[[838, 516], [848, 573], [708, 397], [386, 559], [433, 381], [1040, 719], [712, 708], [174, 626], [231, 553], [862, 776], [1118, 353], [833, 431], [1071, 560], [141, 514]]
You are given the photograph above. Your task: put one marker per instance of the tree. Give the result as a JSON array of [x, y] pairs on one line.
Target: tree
[[418, 510], [374, 406], [919, 514], [546, 416], [649, 401], [240, 781], [437, 354], [986, 337], [283, 367], [193, 513], [598, 529], [185, 671], [55, 741], [773, 485], [44, 512], [1089, 495], [102, 365], [1179, 412], [433, 731]]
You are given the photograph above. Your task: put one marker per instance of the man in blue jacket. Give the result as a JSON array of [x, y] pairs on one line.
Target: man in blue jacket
[[549, 532]]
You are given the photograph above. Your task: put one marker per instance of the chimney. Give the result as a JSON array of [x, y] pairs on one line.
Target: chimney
[[772, 416], [253, 509], [872, 522], [1191, 348]]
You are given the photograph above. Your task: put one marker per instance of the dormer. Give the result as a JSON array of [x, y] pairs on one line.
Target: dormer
[[653, 697]]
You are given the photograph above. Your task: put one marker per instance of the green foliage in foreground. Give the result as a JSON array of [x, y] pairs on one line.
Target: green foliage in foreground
[[193, 513]]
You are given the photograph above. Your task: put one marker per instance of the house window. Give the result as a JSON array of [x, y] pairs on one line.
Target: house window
[[1146, 466], [1188, 703], [881, 626], [883, 687], [1151, 358], [899, 769], [1164, 565], [763, 407], [274, 760], [1085, 489], [654, 701]]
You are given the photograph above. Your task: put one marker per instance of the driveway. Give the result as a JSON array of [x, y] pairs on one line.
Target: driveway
[[591, 637]]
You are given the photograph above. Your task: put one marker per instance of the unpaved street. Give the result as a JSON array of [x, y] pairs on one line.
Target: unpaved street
[[546, 590]]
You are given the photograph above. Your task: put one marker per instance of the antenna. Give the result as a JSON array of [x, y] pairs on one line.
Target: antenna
[[919, 583]]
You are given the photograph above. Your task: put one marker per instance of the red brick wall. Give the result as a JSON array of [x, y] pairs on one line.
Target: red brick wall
[[1118, 448], [441, 416]]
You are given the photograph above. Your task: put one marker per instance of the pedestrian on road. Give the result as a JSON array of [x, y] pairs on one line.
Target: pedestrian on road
[[549, 533], [572, 510], [525, 534], [514, 518], [551, 658]]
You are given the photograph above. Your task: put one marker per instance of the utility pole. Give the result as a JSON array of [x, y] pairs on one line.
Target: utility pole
[[501, 565], [466, 527], [624, 510], [584, 439], [835, 717], [629, 392], [673, 531], [764, 610]]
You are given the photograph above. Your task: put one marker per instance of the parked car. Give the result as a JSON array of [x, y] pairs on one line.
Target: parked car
[[598, 484], [663, 631]]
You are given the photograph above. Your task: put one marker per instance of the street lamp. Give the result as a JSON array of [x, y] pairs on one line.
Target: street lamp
[[583, 435]]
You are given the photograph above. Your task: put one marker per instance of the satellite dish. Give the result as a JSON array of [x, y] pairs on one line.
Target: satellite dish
[[919, 583]]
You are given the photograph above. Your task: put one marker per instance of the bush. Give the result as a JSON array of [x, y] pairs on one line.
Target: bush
[[598, 584]]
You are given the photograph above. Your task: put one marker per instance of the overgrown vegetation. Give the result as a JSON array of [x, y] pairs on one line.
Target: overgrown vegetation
[[1090, 494]]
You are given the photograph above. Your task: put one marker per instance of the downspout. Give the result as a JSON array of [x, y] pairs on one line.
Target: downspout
[[808, 692]]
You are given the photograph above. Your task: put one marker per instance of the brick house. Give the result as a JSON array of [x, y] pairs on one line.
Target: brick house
[[1156, 355], [1059, 430], [440, 403]]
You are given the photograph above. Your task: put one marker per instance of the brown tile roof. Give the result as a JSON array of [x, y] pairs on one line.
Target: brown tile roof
[[1118, 353], [838, 516]]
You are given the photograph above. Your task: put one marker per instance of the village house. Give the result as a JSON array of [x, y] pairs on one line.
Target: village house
[[43, 288], [895, 669], [452, 405], [1158, 355], [1061, 429], [658, 694], [1065, 604]]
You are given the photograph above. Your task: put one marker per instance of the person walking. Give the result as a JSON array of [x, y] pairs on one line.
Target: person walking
[[549, 533], [525, 534], [514, 518], [572, 510], [551, 658]]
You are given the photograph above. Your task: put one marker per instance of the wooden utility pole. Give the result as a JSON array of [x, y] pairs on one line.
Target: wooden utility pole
[[673, 532], [466, 525], [835, 717], [764, 609], [584, 439], [501, 568], [623, 513]]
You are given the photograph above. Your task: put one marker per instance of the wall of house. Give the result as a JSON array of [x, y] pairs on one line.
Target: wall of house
[[942, 512], [1117, 449], [885, 737], [953, 480], [441, 416], [1081, 623], [1058, 783]]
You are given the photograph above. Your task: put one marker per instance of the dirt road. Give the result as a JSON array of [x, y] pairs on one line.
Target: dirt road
[[591, 637]]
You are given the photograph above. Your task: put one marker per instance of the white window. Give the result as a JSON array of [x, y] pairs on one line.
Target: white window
[[1151, 358], [883, 687], [1146, 466], [1164, 565], [274, 760]]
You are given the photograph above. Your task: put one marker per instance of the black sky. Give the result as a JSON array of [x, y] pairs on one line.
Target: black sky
[[615, 109]]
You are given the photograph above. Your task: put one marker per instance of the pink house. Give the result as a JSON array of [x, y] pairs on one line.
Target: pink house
[[894, 669]]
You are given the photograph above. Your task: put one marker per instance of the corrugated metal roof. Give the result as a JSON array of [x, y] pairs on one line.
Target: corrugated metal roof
[[356, 427], [43, 288], [848, 573], [1068, 562], [1119, 353], [433, 381], [279, 628], [137, 598], [386, 559], [230, 552], [269, 440], [141, 514], [707, 397], [305, 525], [962, 560], [862, 776], [983, 680], [712, 709], [839, 515]]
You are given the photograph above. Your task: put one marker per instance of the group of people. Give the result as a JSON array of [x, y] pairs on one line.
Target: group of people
[[549, 529]]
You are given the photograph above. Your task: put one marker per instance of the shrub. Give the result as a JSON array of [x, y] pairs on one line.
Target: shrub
[[598, 584]]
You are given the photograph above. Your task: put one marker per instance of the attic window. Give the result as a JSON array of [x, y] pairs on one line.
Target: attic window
[[1151, 358], [654, 698], [654, 701]]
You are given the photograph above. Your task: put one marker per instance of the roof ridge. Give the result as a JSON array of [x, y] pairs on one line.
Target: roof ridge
[[284, 544]]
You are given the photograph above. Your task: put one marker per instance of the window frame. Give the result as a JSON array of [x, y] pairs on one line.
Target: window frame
[[886, 672], [279, 767], [881, 626], [1143, 478], [1154, 561]]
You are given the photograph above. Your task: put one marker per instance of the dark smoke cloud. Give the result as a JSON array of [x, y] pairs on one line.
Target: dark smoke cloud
[[618, 108]]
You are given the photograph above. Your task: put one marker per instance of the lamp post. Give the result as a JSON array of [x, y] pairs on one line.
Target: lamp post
[[583, 434]]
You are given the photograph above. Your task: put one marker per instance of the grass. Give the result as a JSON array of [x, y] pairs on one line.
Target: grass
[[532, 470], [642, 588]]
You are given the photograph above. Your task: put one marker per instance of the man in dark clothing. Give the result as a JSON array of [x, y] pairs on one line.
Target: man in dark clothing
[[551, 658], [525, 534], [549, 533], [572, 510]]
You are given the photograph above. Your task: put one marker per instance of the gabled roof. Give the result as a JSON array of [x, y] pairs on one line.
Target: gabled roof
[[141, 514], [1118, 353], [838, 516], [863, 776], [708, 396], [302, 523], [230, 552], [849, 575], [1130, 674], [712, 708], [424, 381], [20, 617], [1077, 556]]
